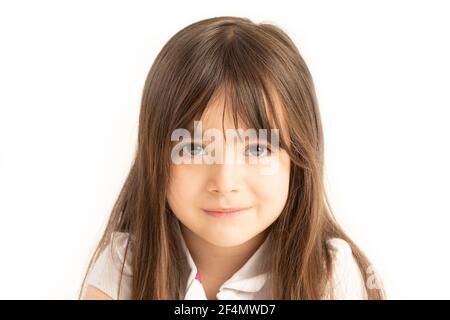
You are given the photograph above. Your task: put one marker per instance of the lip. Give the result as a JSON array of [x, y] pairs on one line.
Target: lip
[[225, 212]]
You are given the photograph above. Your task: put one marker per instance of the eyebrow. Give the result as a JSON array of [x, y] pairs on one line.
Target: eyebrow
[[191, 128]]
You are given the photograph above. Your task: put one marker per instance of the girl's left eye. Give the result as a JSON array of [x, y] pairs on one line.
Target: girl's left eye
[[257, 150]]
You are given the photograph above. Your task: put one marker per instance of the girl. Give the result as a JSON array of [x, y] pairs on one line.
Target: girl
[[183, 229]]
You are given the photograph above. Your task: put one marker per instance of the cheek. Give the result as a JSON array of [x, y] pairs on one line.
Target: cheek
[[271, 191], [184, 186]]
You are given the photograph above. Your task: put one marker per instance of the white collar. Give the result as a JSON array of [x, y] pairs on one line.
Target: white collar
[[250, 278]]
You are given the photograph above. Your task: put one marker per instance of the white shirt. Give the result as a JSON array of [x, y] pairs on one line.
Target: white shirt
[[248, 283]]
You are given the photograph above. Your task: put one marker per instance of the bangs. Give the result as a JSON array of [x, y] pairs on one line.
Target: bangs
[[252, 105]]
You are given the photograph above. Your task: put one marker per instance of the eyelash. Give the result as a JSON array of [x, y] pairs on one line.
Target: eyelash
[[269, 150]]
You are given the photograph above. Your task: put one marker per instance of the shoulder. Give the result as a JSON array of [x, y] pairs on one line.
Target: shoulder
[[106, 272], [347, 281], [118, 247]]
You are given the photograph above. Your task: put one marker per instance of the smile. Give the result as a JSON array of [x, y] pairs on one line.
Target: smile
[[226, 212]]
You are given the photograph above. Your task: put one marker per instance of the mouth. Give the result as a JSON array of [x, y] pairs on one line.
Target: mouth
[[226, 212]]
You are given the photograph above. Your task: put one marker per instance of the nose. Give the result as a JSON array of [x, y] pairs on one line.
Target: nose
[[226, 176]]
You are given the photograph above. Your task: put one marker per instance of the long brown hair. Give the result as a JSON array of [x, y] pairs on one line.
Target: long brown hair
[[249, 59]]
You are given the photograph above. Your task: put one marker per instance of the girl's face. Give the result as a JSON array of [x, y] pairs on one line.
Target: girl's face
[[247, 176]]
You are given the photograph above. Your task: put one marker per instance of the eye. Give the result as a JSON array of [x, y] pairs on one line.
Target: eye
[[193, 149], [257, 150]]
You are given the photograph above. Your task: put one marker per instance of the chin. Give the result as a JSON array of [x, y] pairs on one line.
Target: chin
[[227, 239], [226, 244]]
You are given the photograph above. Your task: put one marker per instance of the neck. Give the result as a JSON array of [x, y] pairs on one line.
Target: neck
[[219, 263]]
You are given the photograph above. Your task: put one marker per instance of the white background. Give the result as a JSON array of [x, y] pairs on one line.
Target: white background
[[71, 79]]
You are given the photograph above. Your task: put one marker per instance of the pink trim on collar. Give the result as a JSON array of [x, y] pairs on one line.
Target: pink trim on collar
[[197, 277]]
